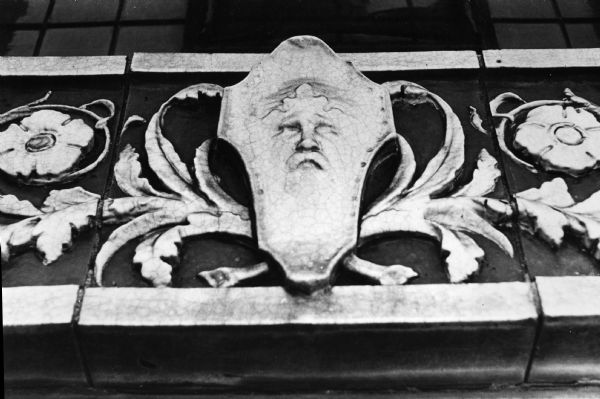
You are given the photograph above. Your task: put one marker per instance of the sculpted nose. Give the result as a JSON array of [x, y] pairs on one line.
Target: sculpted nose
[[307, 143]]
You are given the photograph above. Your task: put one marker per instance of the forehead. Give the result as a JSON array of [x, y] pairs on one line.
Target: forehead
[[304, 102], [303, 75]]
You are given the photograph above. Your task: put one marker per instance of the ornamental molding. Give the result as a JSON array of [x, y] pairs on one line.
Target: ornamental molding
[[560, 136], [307, 125], [50, 143]]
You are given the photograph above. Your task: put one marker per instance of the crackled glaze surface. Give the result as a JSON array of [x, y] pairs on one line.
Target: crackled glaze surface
[[307, 127], [47, 143], [560, 136]]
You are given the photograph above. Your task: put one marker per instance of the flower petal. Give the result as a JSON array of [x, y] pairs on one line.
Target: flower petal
[[547, 114], [75, 132], [567, 158], [17, 163], [57, 160], [592, 143], [13, 138], [533, 139], [43, 120], [582, 118]]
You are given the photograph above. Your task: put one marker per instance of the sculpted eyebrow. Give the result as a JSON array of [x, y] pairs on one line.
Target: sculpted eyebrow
[[291, 125], [288, 123], [332, 128]]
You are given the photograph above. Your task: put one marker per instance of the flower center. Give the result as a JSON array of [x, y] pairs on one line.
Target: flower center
[[569, 135], [40, 142]]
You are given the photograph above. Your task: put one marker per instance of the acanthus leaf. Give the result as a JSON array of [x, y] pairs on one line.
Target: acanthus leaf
[[160, 250], [484, 179], [399, 184], [61, 199], [16, 235], [463, 254], [442, 170], [143, 224], [11, 205], [165, 162], [476, 121], [209, 186], [550, 212], [466, 215], [128, 172], [162, 156], [153, 268], [553, 193]]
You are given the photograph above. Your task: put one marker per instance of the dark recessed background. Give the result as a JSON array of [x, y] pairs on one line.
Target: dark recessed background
[[102, 27]]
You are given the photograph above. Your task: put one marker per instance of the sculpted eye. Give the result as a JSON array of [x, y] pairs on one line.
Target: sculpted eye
[[294, 127], [325, 128]]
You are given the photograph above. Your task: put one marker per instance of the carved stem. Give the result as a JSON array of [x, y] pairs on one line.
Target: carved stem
[[230, 276], [384, 275]]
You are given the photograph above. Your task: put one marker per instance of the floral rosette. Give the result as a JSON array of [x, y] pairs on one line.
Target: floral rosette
[[556, 136], [45, 144]]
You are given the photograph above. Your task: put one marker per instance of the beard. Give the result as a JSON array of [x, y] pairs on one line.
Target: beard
[[306, 218]]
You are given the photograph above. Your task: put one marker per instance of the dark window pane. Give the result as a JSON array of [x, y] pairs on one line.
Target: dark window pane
[[374, 6], [436, 8], [584, 35], [84, 10], [18, 42], [376, 25], [521, 9], [162, 38], [23, 11], [154, 9], [77, 41], [529, 35], [579, 8]]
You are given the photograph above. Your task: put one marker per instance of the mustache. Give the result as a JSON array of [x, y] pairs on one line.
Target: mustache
[[314, 159]]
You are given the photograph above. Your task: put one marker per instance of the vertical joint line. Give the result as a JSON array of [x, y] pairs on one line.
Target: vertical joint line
[[538, 330], [76, 338], [514, 220], [484, 27], [563, 27], [119, 121], [43, 29], [115, 137], [116, 28]]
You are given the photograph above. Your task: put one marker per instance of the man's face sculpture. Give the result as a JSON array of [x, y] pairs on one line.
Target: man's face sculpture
[[307, 146], [307, 126]]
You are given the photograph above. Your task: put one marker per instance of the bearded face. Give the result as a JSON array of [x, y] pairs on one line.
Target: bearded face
[[310, 156], [309, 138], [306, 134], [307, 130]]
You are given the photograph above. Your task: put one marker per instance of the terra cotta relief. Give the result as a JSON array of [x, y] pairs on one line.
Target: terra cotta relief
[[556, 135], [47, 143], [307, 125]]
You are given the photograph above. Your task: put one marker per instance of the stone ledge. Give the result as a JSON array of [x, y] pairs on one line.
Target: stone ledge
[[39, 341], [39, 305], [542, 58], [344, 305], [367, 62], [568, 347], [353, 337], [63, 66]]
